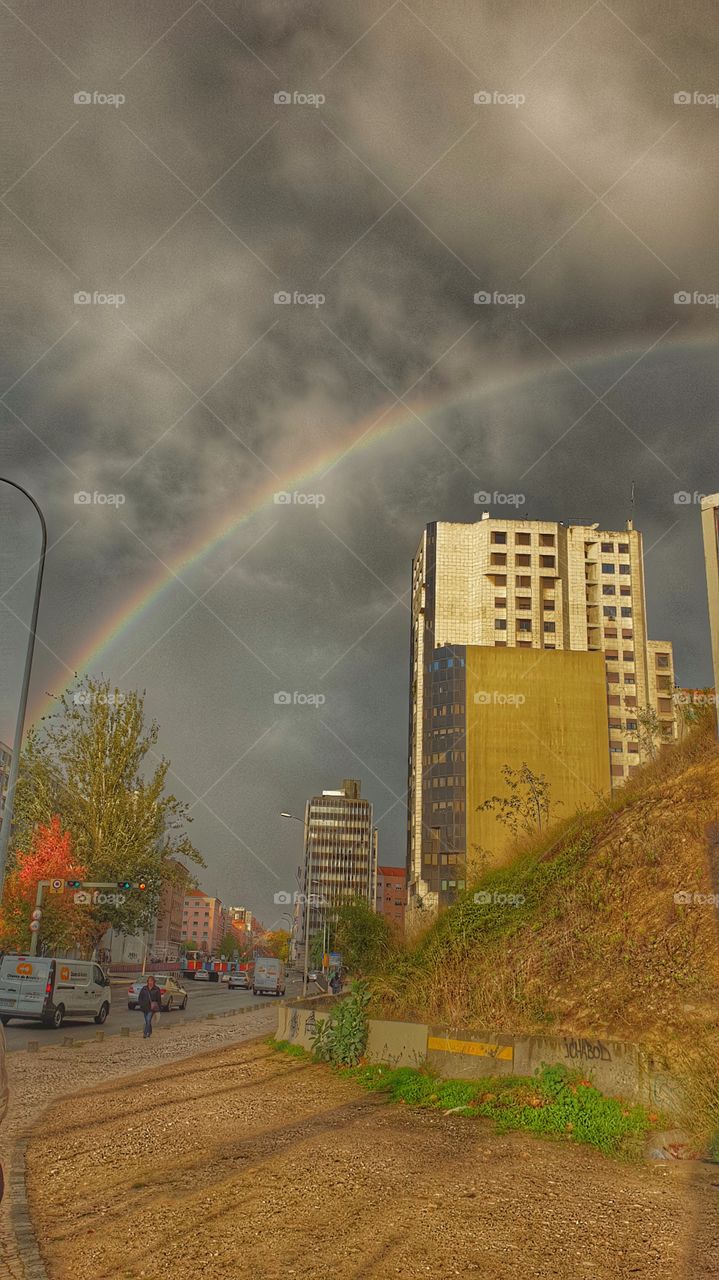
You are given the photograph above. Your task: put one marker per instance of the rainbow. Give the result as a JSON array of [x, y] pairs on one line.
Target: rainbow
[[366, 433]]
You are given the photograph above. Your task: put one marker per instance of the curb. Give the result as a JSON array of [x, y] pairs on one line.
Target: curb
[[110, 1033]]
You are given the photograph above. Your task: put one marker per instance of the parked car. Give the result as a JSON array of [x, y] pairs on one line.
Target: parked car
[[242, 979], [49, 988], [172, 995], [269, 977]]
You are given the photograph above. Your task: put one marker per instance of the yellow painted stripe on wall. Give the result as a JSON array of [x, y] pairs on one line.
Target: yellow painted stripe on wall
[[504, 1052]]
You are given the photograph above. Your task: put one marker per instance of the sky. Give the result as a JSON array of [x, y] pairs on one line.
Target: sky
[[269, 249]]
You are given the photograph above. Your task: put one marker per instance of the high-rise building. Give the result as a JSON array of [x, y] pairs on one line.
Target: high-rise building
[[498, 584], [392, 895], [340, 854]]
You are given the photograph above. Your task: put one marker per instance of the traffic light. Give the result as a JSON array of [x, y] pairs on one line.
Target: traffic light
[[74, 884], [124, 884]]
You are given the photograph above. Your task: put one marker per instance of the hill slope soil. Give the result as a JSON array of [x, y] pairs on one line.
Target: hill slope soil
[[616, 931]]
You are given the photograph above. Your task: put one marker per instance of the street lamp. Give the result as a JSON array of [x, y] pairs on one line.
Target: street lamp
[[22, 706], [308, 853]]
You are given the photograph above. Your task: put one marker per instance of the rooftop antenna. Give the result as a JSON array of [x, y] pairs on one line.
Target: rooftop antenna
[[630, 522]]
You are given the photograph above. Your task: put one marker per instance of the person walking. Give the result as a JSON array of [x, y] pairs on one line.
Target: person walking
[[149, 1001]]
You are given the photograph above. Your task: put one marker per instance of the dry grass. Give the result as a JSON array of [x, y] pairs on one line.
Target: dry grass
[[599, 945]]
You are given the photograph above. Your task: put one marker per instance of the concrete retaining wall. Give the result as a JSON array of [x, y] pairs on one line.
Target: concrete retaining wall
[[619, 1069]]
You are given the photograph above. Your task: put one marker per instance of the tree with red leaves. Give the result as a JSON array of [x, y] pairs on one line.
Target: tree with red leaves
[[64, 925]]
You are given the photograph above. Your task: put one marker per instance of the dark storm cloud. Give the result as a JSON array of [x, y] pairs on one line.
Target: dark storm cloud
[[198, 199]]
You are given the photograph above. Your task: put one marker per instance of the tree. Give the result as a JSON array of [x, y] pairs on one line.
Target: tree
[[648, 733], [228, 946], [89, 763], [63, 925], [528, 804], [363, 937], [277, 943]]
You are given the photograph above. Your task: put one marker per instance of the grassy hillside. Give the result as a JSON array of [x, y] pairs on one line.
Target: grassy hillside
[[597, 943]]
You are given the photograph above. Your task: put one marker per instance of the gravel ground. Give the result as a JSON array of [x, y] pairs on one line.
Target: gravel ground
[[247, 1163], [38, 1079]]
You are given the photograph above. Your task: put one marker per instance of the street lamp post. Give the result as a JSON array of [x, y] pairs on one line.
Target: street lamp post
[[308, 884], [22, 706]]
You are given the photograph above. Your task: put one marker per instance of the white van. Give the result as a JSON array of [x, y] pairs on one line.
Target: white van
[[269, 977], [48, 989]]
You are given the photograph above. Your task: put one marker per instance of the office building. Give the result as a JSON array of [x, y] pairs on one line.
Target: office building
[[391, 897], [501, 585], [340, 854]]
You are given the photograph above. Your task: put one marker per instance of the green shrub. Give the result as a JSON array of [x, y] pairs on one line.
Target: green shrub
[[554, 1103], [342, 1039]]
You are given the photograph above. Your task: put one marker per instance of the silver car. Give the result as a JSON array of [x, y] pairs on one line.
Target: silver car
[[172, 995]]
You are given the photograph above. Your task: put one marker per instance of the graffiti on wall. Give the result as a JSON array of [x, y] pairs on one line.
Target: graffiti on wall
[[586, 1050]]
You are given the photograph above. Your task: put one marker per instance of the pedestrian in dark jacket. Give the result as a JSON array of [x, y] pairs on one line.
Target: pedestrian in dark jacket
[[149, 1001]]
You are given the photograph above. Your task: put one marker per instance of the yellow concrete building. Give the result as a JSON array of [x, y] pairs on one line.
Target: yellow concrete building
[[548, 711]]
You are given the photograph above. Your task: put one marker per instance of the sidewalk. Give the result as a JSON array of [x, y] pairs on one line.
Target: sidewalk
[[257, 1164], [40, 1079]]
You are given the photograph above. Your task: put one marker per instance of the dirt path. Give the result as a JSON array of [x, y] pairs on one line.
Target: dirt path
[[247, 1163], [37, 1079]]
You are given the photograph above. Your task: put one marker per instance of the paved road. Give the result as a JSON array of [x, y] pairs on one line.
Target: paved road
[[203, 998]]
